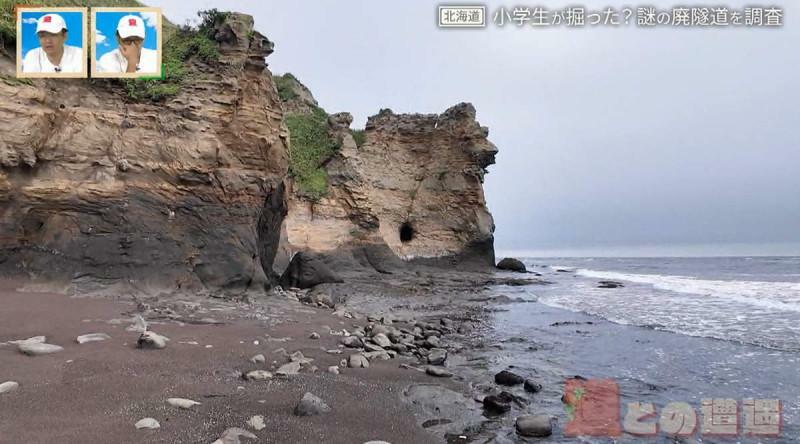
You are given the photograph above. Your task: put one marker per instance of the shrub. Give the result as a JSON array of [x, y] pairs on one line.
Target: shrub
[[311, 146], [359, 136], [285, 84]]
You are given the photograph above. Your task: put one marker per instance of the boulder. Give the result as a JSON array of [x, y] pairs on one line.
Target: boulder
[[38, 348], [438, 372], [306, 270], [358, 360], [152, 340], [511, 264], [532, 386], [437, 356], [499, 403], [506, 377]]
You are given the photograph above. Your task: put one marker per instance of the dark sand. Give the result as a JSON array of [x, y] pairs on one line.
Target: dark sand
[[96, 392]]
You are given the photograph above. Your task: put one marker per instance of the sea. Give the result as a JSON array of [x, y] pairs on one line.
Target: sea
[[677, 330]]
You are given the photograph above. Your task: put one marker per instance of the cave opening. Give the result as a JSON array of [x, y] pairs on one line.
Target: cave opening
[[406, 232]]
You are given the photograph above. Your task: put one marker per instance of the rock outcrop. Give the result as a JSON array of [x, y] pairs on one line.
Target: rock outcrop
[[413, 187], [188, 193]]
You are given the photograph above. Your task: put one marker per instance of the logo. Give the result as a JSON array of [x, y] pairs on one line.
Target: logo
[[592, 406], [452, 16]]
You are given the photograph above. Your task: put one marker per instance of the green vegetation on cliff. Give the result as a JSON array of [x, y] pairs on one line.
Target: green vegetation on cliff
[[285, 84], [311, 145], [359, 136]]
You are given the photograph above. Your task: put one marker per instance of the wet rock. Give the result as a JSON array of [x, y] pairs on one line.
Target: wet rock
[[499, 403], [306, 270], [92, 337], [506, 377], [537, 426], [532, 386], [258, 359], [609, 284], [152, 340], [182, 403], [358, 360], [438, 372], [257, 422], [38, 348], [147, 423], [311, 405], [258, 375], [437, 356], [352, 342], [381, 340], [511, 264], [8, 387]]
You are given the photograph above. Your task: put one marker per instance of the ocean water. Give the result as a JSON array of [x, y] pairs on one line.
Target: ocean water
[[681, 329]]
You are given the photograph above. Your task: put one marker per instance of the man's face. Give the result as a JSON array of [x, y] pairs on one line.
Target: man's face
[[131, 45], [52, 43]]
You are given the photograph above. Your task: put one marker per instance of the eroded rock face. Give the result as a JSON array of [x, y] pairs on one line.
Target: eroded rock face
[[415, 185], [188, 193]]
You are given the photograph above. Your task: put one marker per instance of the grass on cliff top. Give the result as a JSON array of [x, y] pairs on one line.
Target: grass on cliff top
[[311, 146], [284, 83]]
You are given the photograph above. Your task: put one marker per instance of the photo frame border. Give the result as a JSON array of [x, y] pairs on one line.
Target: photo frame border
[[52, 75], [124, 75]]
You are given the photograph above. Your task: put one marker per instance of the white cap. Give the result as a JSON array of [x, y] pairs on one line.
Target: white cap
[[131, 26], [52, 23]]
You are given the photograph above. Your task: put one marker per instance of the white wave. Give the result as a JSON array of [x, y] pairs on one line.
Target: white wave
[[783, 296]]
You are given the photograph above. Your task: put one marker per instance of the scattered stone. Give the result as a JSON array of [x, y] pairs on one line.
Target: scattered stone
[[33, 340], [499, 403], [152, 340], [232, 435], [378, 329], [314, 335], [335, 351], [537, 426], [257, 422], [610, 284], [8, 387], [382, 340], [382, 355], [92, 337], [372, 347], [511, 264], [505, 377], [258, 375], [258, 359], [358, 360], [352, 342], [432, 342], [333, 369], [182, 403], [289, 369], [532, 386], [299, 358], [311, 405], [438, 372], [437, 356], [38, 348], [147, 423]]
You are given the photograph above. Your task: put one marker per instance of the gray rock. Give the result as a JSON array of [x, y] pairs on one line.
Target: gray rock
[[372, 347], [379, 329], [382, 355], [258, 359], [314, 335], [38, 348], [147, 423], [333, 370], [432, 342], [258, 375], [438, 372], [499, 403], [506, 377], [511, 264], [311, 405], [233, 435], [8, 387], [532, 386], [352, 342], [537, 426], [92, 337], [153, 340], [289, 369], [437, 356], [382, 340], [358, 360], [306, 270]]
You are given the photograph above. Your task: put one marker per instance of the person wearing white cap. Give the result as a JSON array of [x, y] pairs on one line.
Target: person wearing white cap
[[53, 55], [130, 56]]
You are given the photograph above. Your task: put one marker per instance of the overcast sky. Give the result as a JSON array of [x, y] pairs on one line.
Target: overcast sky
[[612, 140]]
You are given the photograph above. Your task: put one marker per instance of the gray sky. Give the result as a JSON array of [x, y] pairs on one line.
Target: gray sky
[[612, 140]]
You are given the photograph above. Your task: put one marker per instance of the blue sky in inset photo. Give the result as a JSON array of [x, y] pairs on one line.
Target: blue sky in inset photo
[[106, 29], [74, 20]]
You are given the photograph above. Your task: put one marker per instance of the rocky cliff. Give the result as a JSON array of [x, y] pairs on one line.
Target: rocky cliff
[[183, 193], [187, 183], [413, 184]]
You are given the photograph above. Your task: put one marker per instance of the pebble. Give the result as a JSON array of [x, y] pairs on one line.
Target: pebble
[[358, 361], [314, 335], [382, 340], [147, 423], [352, 342], [258, 375], [437, 356], [231, 436], [258, 359], [333, 369], [537, 426], [257, 422], [92, 337], [8, 386], [33, 340], [438, 372], [289, 369], [182, 403], [311, 405], [152, 340]]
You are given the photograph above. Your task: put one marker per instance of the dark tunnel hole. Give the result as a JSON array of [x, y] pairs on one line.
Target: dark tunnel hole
[[406, 232]]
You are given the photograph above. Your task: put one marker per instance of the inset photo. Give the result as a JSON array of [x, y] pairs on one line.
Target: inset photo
[[51, 42], [126, 42]]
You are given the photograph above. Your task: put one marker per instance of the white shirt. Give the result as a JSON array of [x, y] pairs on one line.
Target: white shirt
[[71, 61], [114, 61]]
